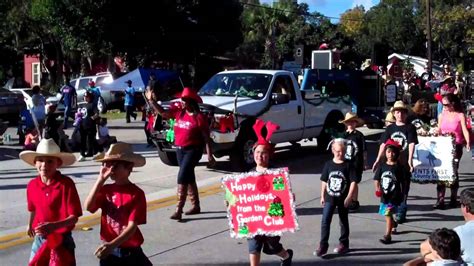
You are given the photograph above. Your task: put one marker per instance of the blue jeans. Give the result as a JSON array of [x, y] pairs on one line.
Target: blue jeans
[[188, 158], [67, 113], [328, 211], [125, 257]]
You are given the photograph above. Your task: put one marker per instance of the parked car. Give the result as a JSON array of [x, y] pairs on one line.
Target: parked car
[[11, 104], [28, 93], [112, 99]]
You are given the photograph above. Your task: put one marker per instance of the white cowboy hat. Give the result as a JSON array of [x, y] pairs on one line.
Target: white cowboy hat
[[352, 117], [121, 151], [47, 147], [399, 105]]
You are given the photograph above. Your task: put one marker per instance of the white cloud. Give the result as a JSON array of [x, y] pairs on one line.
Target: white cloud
[[367, 4]]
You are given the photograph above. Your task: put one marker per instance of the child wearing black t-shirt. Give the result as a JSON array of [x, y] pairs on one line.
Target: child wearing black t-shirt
[[338, 181], [389, 184], [405, 135], [356, 151]]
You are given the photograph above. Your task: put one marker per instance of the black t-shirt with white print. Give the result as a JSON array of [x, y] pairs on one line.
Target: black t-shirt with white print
[[391, 179], [355, 147], [404, 135], [338, 177]]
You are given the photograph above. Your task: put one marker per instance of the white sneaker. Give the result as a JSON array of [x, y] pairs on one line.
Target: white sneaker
[[81, 159]]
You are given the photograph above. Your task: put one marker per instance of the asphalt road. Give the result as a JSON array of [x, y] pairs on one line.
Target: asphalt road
[[204, 239]]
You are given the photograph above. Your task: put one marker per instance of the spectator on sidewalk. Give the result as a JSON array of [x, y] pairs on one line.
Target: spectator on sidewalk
[[120, 219], [39, 107], [466, 231], [51, 125], [356, 151], [104, 140], [69, 99], [443, 247], [338, 182], [130, 102], [405, 134], [31, 139], [88, 128], [96, 95], [54, 206]]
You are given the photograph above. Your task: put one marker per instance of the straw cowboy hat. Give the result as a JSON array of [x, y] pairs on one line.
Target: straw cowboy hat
[[352, 117], [47, 147], [390, 118], [121, 152], [399, 105]]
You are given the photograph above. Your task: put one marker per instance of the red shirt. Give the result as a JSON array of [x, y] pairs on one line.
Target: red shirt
[[53, 202], [121, 204], [189, 130]]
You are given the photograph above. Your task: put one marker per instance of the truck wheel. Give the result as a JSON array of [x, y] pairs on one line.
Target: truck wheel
[[331, 125], [241, 157], [168, 158]]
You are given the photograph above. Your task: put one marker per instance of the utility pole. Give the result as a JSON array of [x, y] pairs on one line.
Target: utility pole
[[428, 30]]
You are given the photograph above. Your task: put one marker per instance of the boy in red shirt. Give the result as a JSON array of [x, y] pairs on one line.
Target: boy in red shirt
[[53, 204], [123, 207]]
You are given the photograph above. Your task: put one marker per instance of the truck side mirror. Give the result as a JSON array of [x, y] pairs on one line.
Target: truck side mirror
[[311, 95], [280, 98]]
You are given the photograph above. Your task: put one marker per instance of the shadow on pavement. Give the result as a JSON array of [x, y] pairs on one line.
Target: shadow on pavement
[[357, 252], [432, 217], [7, 187], [9, 153], [195, 218], [309, 211]]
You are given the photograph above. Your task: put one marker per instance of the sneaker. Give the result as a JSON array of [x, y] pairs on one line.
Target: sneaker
[[341, 249], [81, 159], [287, 262], [321, 251], [394, 229], [386, 240]]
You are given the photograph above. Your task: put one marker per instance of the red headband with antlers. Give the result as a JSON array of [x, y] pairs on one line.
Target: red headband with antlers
[[271, 128]]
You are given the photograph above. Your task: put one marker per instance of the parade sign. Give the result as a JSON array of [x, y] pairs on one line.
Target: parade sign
[[260, 203], [433, 159]]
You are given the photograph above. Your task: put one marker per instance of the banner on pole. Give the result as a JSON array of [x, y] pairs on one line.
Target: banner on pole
[[260, 203], [433, 159]]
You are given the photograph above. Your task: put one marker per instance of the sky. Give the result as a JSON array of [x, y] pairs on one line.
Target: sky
[[333, 8]]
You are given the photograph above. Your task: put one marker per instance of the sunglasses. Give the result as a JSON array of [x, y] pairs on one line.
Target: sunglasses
[[446, 104]]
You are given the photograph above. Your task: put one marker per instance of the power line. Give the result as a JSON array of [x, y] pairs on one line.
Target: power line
[[297, 13]]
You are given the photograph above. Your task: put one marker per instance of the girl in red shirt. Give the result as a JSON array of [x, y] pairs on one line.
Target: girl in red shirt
[[191, 131]]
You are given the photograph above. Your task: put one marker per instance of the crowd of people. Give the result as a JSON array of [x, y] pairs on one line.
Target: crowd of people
[[122, 239]]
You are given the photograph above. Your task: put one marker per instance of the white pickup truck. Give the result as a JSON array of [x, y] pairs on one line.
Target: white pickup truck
[[241, 96]]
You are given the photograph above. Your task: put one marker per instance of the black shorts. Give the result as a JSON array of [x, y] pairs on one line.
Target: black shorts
[[270, 245]]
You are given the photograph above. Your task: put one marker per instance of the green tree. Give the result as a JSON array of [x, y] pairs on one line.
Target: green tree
[[452, 30], [352, 21]]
